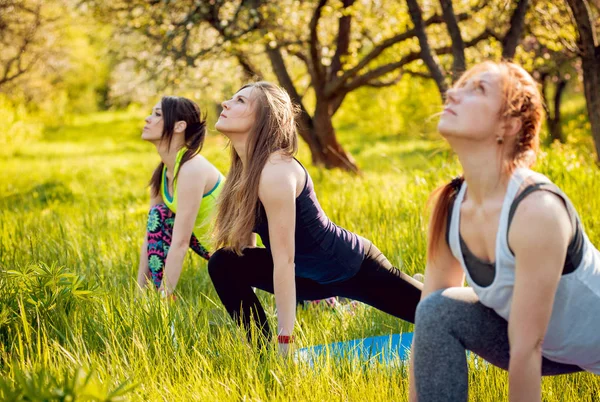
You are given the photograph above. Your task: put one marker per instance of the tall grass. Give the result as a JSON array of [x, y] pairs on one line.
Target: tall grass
[[73, 204]]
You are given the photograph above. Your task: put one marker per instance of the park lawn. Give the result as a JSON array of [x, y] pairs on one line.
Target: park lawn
[[72, 216]]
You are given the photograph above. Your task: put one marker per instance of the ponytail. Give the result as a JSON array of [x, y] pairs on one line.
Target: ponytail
[[174, 109], [443, 197], [154, 182]]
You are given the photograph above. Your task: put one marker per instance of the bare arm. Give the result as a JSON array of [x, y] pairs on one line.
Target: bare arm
[[252, 241], [441, 272], [277, 192], [143, 271], [190, 189], [539, 237]]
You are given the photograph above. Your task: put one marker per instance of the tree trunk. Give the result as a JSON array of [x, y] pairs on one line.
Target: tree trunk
[[591, 84], [555, 125], [590, 62], [427, 55], [513, 36], [553, 116], [332, 153], [459, 65], [320, 136], [317, 131]]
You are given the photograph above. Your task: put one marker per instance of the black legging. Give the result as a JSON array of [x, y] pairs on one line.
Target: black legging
[[377, 283]]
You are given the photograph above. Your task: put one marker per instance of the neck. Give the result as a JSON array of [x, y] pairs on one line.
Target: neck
[[239, 143], [168, 155], [483, 167]]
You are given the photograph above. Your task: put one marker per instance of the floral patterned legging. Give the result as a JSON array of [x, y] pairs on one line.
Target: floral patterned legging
[[159, 235]]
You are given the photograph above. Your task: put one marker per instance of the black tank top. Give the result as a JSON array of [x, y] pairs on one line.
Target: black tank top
[[324, 251]]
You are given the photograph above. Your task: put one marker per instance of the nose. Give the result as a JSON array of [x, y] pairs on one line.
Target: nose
[[452, 95], [224, 105], [147, 119]]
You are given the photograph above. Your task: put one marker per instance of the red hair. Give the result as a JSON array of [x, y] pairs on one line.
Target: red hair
[[521, 100]]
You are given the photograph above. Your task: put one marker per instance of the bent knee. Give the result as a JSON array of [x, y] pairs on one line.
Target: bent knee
[[221, 261], [435, 310]]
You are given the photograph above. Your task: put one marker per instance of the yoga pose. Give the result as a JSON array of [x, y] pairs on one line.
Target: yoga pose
[[184, 189], [307, 256], [534, 298]]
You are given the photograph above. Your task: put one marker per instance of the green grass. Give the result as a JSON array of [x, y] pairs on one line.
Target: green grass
[[72, 212]]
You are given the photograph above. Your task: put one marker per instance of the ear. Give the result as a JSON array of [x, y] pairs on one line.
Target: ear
[[180, 126], [512, 127]]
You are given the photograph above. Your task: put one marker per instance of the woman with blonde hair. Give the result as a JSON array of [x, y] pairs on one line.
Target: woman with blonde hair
[[534, 298], [306, 256]]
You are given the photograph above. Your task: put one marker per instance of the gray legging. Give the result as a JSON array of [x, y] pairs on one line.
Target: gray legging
[[449, 322]]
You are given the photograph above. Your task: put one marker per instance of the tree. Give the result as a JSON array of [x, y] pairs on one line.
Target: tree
[[52, 59], [509, 39], [549, 52], [339, 54], [589, 52], [20, 35], [173, 36], [338, 46]]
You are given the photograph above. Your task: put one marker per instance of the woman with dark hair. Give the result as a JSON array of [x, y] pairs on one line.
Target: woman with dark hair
[[184, 189], [534, 298], [306, 256]]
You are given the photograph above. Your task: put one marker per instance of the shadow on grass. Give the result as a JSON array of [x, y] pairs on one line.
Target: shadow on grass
[[125, 129], [38, 196], [127, 148]]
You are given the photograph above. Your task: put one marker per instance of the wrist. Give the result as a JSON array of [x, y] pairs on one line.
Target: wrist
[[166, 295], [285, 339]]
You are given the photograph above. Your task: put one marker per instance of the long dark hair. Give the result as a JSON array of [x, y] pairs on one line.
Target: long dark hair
[[174, 109], [522, 100]]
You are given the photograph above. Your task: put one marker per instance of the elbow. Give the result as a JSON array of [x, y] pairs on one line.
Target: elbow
[[179, 246], [521, 352], [284, 268]]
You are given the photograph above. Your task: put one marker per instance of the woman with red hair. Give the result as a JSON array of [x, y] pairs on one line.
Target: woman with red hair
[[534, 276]]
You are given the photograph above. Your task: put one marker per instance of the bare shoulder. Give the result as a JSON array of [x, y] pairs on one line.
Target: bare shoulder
[[278, 160], [196, 166], [541, 206], [541, 216], [280, 169], [279, 178]]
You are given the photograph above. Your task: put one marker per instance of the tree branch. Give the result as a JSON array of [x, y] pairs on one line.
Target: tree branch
[[337, 102], [418, 74], [382, 84], [338, 82], [409, 58], [585, 27], [343, 40], [513, 35], [280, 70], [315, 47], [458, 46], [302, 57], [251, 71], [21, 52], [427, 56]]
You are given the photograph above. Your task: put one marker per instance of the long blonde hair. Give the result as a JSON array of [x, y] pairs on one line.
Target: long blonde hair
[[274, 130]]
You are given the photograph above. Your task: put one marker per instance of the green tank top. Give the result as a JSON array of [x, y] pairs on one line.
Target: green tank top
[[203, 226]]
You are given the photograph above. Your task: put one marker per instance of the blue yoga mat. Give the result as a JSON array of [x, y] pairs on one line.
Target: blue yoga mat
[[385, 349]]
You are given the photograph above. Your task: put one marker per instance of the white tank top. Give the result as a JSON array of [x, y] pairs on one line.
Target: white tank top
[[573, 335]]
